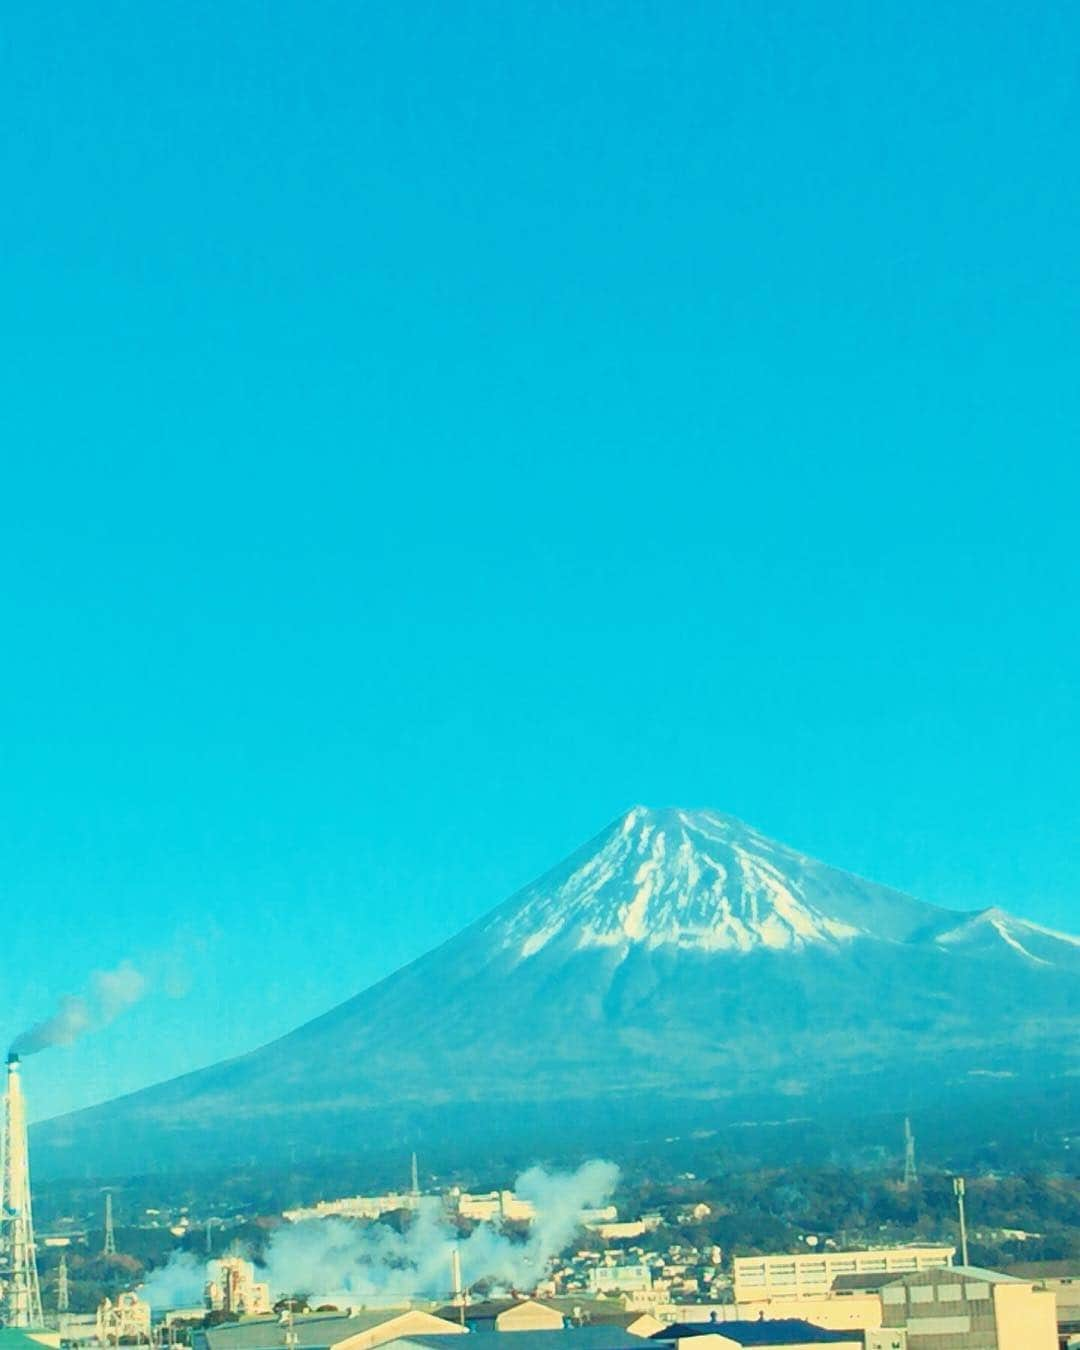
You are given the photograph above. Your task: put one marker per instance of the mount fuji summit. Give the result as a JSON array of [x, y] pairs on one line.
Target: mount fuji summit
[[679, 967]]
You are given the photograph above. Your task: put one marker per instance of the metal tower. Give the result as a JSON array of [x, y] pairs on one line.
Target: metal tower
[[109, 1249], [415, 1177], [63, 1297], [20, 1299], [910, 1174]]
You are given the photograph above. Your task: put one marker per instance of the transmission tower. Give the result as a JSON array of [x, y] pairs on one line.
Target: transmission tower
[[415, 1177], [20, 1303], [109, 1248], [63, 1298], [910, 1174]]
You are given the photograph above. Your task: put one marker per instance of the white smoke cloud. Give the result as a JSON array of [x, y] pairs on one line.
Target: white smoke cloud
[[117, 989], [338, 1260], [178, 1284], [111, 992]]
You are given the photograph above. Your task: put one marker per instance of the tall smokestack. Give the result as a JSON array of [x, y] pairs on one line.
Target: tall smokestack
[[20, 1300], [455, 1274]]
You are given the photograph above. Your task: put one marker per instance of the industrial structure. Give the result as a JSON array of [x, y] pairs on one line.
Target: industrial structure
[[233, 1289], [20, 1293], [126, 1319]]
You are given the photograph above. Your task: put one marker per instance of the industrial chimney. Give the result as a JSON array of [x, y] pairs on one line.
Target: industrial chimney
[[20, 1294]]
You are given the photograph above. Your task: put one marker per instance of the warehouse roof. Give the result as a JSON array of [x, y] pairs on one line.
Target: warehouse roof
[[945, 1272], [571, 1338], [850, 1284], [763, 1332], [318, 1331], [12, 1338], [1045, 1270]]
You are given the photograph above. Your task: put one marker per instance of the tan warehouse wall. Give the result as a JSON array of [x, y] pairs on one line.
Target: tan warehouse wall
[[1026, 1318]]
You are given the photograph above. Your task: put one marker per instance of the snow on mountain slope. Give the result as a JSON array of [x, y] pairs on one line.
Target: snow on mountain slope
[[992, 929], [699, 881], [680, 955]]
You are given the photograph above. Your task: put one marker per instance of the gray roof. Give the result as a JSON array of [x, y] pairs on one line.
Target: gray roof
[[317, 1331], [1044, 1270], [964, 1272], [572, 1338], [847, 1284], [593, 1311]]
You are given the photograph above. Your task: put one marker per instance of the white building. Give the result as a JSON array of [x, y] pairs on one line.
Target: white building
[[760, 1279], [353, 1207], [492, 1207], [612, 1232], [624, 1279]]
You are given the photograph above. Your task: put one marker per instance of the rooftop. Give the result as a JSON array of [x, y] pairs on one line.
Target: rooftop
[[313, 1331], [1045, 1270], [12, 1338], [775, 1331], [571, 1338], [947, 1272]]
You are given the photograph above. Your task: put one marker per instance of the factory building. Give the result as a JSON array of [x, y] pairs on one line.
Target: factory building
[[965, 1308], [1062, 1279], [488, 1207], [550, 1314], [493, 1207], [805, 1275], [354, 1207], [361, 1330]]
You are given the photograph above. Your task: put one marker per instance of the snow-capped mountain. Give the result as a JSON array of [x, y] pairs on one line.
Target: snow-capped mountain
[[698, 881], [681, 957]]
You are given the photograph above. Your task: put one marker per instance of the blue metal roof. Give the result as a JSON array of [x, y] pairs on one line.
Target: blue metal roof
[[764, 1332]]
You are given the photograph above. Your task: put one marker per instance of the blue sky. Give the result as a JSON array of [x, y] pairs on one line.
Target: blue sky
[[433, 428]]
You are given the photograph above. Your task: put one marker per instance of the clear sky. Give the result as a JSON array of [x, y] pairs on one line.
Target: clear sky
[[432, 428]]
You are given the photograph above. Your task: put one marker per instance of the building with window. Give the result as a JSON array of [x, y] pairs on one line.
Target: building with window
[[803, 1275], [964, 1308]]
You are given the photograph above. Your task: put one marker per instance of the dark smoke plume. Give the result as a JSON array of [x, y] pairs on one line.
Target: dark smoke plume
[[111, 991]]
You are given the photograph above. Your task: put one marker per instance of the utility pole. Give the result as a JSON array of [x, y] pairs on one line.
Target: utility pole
[[958, 1191], [910, 1174], [291, 1337], [415, 1177], [109, 1248]]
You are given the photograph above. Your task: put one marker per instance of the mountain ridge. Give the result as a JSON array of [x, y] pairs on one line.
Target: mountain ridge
[[677, 955]]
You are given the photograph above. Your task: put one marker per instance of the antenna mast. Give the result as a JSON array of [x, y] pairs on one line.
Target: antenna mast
[[958, 1190], [910, 1174], [20, 1302], [109, 1248]]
